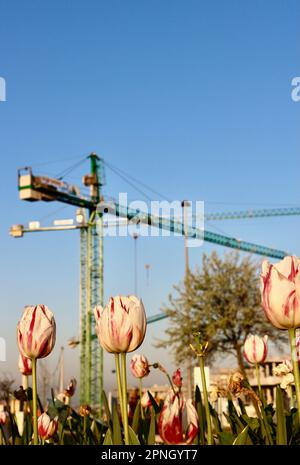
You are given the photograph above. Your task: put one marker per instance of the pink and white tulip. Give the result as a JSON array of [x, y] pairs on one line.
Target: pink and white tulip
[[170, 426], [145, 400], [177, 378], [25, 365], [256, 349], [47, 427], [280, 291], [121, 325], [36, 332], [139, 366]]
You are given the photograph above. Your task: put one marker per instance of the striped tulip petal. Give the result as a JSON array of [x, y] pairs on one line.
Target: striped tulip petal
[[280, 291], [25, 365]]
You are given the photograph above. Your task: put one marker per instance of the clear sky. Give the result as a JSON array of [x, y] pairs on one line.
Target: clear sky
[[191, 97]]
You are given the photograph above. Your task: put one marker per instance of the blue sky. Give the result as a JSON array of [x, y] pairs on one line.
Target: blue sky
[[193, 98]]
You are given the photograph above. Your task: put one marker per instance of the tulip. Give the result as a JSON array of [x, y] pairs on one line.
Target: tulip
[[255, 349], [3, 417], [25, 365], [177, 378], [121, 325], [121, 328], [47, 427], [280, 290], [71, 388], [145, 400], [36, 332], [139, 366], [170, 426]]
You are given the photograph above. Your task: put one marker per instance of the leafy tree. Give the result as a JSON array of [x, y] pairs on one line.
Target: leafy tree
[[222, 301], [6, 388]]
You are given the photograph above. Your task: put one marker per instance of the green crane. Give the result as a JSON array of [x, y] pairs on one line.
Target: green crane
[[42, 188]]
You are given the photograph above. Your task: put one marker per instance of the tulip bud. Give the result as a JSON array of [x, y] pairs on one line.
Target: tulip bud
[[25, 365], [280, 291], [139, 366], [47, 427], [177, 378], [121, 325], [256, 349], [36, 332], [71, 388]]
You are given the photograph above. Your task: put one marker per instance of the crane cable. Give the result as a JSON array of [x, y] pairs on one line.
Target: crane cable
[[123, 175]]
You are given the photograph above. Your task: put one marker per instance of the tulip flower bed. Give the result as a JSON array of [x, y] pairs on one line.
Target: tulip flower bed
[[121, 328]]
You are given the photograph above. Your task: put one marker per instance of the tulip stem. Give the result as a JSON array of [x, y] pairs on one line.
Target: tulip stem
[[210, 439], [292, 336], [85, 429], [120, 393], [34, 403], [291, 395], [171, 384], [124, 387], [258, 380], [141, 394]]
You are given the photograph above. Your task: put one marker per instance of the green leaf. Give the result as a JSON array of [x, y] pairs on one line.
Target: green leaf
[[151, 434], [153, 402], [108, 440], [281, 434], [242, 407], [237, 423], [241, 439], [201, 416], [215, 418], [226, 438], [107, 411], [136, 417], [117, 435], [133, 439]]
